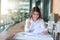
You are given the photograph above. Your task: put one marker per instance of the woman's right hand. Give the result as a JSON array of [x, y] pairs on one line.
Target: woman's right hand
[[28, 24]]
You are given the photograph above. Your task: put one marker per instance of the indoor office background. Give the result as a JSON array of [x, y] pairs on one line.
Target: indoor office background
[[13, 13], [16, 11]]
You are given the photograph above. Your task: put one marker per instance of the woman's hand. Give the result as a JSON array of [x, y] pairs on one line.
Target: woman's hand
[[45, 32], [28, 24]]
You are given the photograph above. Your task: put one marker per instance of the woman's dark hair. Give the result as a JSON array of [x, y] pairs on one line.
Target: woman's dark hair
[[35, 9]]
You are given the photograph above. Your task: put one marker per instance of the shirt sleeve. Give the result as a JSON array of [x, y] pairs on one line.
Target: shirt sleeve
[[43, 25]]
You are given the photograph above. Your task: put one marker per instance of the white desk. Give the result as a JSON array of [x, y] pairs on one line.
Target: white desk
[[29, 37], [5, 35]]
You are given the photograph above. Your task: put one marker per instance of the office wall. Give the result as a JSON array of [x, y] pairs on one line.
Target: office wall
[[56, 7]]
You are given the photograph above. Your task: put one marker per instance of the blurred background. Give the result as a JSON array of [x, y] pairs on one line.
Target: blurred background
[[13, 13]]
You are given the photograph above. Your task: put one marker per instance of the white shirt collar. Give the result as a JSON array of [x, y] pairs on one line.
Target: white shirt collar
[[36, 21]]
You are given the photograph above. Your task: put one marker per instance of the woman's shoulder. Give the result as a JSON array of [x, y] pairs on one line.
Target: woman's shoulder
[[28, 19], [42, 20]]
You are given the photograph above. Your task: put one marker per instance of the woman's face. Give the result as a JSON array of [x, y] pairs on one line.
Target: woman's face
[[35, 15]]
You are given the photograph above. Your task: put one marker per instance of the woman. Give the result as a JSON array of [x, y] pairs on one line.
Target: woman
[[35, 24], [34, 27]]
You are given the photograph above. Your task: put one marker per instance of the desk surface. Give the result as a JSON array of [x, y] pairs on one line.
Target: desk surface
[[31, 37], [5, 35]]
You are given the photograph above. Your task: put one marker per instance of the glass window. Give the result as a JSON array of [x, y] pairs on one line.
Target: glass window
[[45, 6], [14, 11]]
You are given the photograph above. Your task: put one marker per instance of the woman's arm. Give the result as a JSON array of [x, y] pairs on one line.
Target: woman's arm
[[45, 30], [42, 23], [27, 26]]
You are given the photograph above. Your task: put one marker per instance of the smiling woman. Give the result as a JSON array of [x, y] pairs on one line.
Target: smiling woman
[[34, 28], [17, 11]]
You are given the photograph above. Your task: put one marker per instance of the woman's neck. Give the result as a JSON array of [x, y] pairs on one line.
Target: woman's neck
[[34, 20]]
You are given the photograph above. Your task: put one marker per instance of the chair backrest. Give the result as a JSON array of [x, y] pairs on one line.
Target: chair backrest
[[50, 26], [58, 27]]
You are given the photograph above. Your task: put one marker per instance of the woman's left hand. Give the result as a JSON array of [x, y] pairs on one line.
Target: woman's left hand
[[45, 32]]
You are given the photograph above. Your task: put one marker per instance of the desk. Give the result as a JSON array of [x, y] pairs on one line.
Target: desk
[[21, 36], [5, 35]]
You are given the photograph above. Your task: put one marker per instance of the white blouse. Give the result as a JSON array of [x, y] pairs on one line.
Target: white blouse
[[35, 27]]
